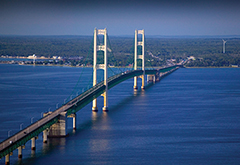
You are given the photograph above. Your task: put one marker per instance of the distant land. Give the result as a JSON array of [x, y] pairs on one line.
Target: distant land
[[206, 50], [193, 36], [131, 36]]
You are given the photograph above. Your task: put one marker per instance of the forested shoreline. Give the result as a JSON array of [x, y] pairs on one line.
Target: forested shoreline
[[207, 52]]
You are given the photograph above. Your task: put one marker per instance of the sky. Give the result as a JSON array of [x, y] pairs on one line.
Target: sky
[[121, 17]]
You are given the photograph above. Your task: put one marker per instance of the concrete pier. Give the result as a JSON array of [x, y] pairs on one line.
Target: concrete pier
[[151, 78], [105, 109], [59, 129], [74, 122], [94, 108], [73, 116], [20, 152], [33, 143], [46, 131], [7, 159], [45, 135]]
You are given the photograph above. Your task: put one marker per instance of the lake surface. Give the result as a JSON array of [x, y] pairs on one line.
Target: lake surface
[[189, 117]]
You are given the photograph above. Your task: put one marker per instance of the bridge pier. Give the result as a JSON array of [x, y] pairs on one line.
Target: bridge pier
[[94, 107], [73, 116], [151, 78], [161, 74], [59, 129], [7, 159], [46, 131], [45, 135], [105, 109], [20, 152], [33, 143], [74, 122]]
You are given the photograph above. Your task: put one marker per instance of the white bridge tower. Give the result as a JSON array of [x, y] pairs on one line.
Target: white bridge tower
[[136, 57], [100, 66]]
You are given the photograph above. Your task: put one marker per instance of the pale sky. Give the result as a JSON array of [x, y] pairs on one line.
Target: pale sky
[[122, 17]]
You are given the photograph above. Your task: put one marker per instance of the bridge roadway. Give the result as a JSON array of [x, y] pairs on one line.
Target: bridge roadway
[[74, 105]]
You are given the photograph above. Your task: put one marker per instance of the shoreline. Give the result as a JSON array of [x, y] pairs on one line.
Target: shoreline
[[58, 65], [209, 67], [109, 67]]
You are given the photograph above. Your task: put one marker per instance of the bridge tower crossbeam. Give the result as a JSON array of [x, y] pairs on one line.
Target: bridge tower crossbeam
[[100, 66]]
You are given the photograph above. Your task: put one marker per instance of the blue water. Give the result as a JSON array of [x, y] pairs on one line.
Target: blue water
[[190, 117]]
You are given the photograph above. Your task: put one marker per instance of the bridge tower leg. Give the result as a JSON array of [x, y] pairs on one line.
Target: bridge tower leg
[[105, 108], [135, 60], [100, 66], [141, 57], [94, 106]]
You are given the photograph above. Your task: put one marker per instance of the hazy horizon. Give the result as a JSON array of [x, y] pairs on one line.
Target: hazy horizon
[[121, 18], [127, 36]]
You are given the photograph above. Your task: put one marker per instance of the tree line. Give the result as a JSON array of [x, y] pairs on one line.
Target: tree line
[[207, 51]]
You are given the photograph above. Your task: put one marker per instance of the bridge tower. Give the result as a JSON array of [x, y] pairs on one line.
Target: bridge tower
[[141, 57], [100, 66]]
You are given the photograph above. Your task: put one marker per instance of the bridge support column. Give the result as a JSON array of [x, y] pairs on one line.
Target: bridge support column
[[7, 159], [73, 116], [33, 143], [46, 131], [74, 122], [45, 135], [59, 129], [20, 152]]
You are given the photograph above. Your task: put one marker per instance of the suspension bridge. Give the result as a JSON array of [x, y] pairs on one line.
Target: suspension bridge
[[54, 124]]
